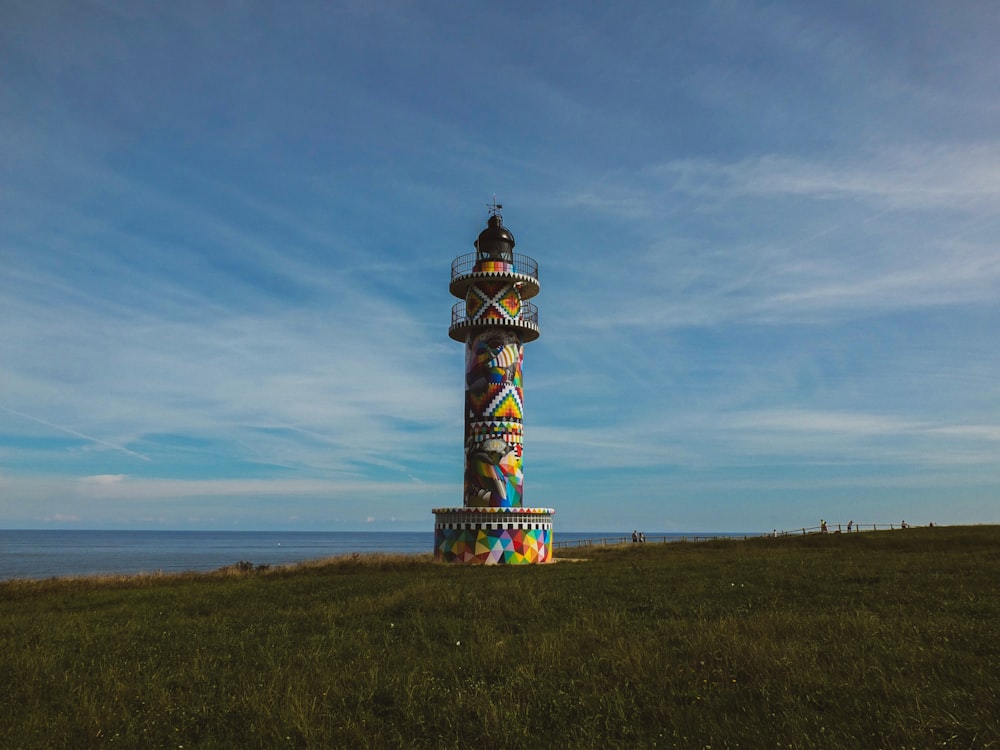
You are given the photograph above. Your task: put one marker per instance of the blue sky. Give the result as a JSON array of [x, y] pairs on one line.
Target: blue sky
[[767, 239]]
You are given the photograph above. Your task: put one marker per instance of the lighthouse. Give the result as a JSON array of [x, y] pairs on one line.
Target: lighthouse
[[494, 319]]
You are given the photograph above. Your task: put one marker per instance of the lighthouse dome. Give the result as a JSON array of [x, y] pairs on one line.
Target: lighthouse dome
[[495, 242]]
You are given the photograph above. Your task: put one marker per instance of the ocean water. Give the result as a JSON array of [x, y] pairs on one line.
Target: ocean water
[[48, 553], [56, 553]]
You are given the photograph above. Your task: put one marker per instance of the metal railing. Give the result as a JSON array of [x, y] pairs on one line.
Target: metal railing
[[666, 538], [842, 528], [529, 313], [662, 539], [523, 264]]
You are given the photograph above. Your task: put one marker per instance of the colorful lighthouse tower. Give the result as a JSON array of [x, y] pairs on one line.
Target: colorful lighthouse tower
[[494, 320]]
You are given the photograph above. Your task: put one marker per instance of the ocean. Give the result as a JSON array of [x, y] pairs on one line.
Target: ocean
[[56, 553]]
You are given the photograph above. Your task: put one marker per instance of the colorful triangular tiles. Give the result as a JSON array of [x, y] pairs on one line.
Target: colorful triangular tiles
[[505, 405], [493, 546]]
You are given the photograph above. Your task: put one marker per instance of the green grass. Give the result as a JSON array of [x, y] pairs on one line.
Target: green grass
[[872, 640]]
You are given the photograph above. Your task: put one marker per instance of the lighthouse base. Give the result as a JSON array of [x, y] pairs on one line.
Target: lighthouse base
[[493, 536]]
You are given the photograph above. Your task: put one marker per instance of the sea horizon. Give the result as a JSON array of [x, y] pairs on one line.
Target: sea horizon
[[58, 553]]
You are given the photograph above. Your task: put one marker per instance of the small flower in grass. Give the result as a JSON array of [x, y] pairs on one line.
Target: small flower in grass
[[458, 643]]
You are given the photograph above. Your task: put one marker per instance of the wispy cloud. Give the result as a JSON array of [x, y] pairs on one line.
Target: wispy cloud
[[928, 176], [103, 480], [75, 433], [802, 240]]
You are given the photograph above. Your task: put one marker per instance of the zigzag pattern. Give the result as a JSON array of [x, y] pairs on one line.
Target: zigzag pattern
[[515, 513], [488, 289], [493, 266], [510, 432]]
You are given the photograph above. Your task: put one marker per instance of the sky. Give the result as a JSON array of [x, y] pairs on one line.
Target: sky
[[767, 237]]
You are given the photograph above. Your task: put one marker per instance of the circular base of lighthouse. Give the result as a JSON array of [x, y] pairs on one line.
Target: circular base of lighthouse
[[493, 536]]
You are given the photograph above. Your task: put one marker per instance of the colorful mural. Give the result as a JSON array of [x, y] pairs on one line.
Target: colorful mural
[[489, 300], [494, 321], [493, 266], [494, 475], [493, 546]]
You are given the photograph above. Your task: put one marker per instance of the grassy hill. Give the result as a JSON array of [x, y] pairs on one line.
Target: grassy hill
[[872, 640]]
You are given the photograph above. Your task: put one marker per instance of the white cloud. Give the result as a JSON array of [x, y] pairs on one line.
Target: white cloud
[[780, 239], [844, 423], [153, 489], [103, 480], [963, 178]]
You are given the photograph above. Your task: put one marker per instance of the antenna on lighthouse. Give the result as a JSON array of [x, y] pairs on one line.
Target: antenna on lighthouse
[[494, 207]]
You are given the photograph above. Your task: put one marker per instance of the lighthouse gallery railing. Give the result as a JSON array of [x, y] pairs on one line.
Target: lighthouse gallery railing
[[529, 313], [523, 264]]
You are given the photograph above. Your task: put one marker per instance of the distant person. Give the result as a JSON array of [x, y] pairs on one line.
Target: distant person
[[635, 536], [822, 525], [642, 538], [902, 525], [850, 525]]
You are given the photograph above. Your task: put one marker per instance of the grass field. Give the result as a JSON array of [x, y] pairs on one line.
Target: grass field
[[872, 640]]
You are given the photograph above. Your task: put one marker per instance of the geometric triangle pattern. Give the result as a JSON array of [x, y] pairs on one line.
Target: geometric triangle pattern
[[473, 304], [505, 405], [510, 432], [494, 413], [493, 546], [493, 300], [493, 266], [510, 303]]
